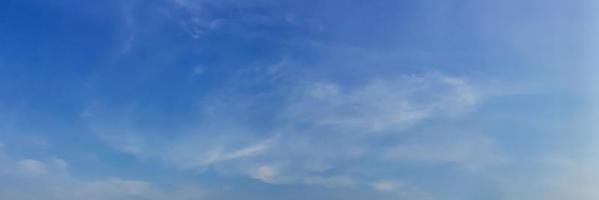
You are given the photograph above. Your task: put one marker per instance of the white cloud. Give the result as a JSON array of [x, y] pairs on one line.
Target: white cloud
[[471, 152], [191, 151], [249, 151], [331, 181], [31, 167], [382, 105], [265, 173], [401, 190], [384, 186], [111, 188], [127, 44], [49, 179], [195, 153], [117, 188], [555, 176], [198, 26], [198, 70], [252, 150], [312, 145]]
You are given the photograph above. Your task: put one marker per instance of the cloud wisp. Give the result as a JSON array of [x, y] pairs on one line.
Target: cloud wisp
[[51, 178], [320, 130]]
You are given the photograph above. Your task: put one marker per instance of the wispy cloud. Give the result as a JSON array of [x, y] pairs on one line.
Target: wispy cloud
[[303, 145], [50, 179], [472, 152], [382, 105]]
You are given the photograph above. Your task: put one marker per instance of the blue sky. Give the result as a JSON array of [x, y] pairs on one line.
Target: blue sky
[[298, 99]]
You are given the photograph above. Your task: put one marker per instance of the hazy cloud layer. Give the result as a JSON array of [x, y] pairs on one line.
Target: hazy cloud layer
[[267, 99]]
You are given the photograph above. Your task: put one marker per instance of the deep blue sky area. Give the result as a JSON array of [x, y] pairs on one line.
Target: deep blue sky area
[[298, 99]]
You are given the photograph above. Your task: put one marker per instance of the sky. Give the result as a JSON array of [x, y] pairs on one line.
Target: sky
[[299, 99]]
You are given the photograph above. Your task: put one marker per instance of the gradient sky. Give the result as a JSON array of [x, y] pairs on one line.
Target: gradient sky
[[298, 99]]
